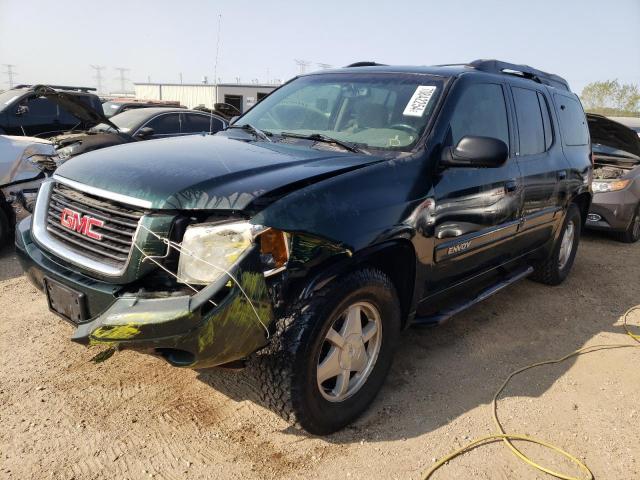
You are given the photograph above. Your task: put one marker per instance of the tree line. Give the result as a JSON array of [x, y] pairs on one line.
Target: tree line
[[610, 97]]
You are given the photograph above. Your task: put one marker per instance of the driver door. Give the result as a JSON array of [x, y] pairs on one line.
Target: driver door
[[477, 209]]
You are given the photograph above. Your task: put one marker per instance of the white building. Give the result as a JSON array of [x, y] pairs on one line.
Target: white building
[[241, 96]]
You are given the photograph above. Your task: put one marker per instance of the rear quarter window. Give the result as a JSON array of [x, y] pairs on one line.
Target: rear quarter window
[[573, 123]]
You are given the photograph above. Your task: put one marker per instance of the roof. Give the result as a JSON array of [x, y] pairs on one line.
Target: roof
[[492, 67]]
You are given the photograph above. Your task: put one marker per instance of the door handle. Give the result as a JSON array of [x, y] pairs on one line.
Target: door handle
[[511, 186], [562, 174]]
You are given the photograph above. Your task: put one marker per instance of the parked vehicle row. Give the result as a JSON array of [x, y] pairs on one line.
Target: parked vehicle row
[[69, 121], [344, 207]]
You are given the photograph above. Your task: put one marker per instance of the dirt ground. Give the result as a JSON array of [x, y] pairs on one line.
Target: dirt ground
[[62, 416]]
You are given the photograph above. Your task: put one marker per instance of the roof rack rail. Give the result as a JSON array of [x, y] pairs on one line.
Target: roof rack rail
[[365, 64], [59, 87], [497, 66]]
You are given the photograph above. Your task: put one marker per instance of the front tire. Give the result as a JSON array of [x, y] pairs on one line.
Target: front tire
[[556, 268], [632, 234], [332, 354], [4, 228]]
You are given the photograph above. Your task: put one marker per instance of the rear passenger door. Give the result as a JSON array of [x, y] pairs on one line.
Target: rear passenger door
[[542, 164], [193, 123]]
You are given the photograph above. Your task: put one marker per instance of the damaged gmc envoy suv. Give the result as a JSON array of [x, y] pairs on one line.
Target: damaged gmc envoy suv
[[342, 208]]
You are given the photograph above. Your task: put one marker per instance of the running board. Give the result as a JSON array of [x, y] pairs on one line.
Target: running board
[[440, 317]]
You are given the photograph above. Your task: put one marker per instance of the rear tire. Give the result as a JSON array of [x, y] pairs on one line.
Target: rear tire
[[557, 266], [632, 234], [304, 349], [4, 228]]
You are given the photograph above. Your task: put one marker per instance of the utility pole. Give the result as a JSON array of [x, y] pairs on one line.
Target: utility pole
[[123, 77], [303, 64], [215, 65], [180, 78], [10, 73], [98, 76]]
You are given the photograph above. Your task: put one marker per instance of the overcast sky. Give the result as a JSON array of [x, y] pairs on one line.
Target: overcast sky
[[56, 41]]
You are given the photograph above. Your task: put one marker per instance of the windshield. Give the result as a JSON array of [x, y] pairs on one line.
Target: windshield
[[387, 111], [110, 108]]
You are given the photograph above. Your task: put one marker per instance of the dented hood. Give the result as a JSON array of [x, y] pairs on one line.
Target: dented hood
[[207, 172]]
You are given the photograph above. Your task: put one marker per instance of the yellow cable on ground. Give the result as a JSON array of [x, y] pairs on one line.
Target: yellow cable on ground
[[507, 438]]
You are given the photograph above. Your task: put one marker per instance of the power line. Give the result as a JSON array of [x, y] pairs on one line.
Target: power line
[[98, 76], [303, 64], [10, 73], [123, 77]]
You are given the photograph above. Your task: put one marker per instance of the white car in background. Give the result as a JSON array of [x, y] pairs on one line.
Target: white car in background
[[24, 163], [632, 122]]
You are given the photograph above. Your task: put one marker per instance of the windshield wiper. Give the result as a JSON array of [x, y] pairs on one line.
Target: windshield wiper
[[321, 137], [256, 131]]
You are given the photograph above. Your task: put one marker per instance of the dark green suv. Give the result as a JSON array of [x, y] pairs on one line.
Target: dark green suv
[[344, 207]]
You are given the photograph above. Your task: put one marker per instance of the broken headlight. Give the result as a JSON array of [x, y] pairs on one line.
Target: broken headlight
[[209, 250], [67, 152], [599, 187]]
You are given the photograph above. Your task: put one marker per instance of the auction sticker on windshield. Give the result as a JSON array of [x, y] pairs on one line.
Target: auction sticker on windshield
[[419, 101]]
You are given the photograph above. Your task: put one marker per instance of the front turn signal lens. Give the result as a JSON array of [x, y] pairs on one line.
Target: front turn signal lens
[[274, 250]]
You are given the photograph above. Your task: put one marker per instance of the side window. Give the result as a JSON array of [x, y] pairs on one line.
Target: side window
[[530, 125], [42, 109], [480, 111], [167, 124], [200, 123], [546, 120], [573, 123]]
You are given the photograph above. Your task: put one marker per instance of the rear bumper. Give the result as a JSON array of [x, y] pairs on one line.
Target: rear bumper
[[187, 330], [612, 210]]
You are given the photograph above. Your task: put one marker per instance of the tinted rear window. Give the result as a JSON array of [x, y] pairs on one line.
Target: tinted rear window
[[573, 123]]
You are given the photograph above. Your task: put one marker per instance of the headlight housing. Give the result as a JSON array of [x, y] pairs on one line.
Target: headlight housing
[[208, 250], [610, 186], [66, 152]]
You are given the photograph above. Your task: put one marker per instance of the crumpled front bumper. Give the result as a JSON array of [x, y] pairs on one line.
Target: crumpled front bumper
[[187, 330]]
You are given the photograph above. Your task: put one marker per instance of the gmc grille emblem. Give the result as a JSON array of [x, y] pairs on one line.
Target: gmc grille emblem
[[82, 224]]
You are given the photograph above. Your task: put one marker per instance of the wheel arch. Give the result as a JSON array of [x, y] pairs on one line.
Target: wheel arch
[[583, 201], [395, 258]]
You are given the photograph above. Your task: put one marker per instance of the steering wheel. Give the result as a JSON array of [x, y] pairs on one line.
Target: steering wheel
[[406, 127]]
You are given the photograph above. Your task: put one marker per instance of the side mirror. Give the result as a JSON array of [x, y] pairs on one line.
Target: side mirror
[[145, 132], [21, 110], [476, 152], [233, 119]]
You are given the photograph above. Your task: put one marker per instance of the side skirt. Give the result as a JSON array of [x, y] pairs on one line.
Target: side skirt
[[441, 316]]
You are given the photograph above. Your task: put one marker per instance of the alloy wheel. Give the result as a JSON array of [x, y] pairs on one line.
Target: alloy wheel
[[349, 352], [566, 246]]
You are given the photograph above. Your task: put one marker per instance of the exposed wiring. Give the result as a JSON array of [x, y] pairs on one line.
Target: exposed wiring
[[180, 249], [508, 438], [147, 257]]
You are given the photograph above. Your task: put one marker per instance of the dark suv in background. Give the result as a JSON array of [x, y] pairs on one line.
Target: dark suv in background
[[344, 207], [47, 110]]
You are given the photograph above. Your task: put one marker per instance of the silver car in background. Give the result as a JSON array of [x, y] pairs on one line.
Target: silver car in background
[[24, 163]]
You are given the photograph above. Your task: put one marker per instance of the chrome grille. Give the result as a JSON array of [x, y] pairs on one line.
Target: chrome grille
[[116, 234]]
